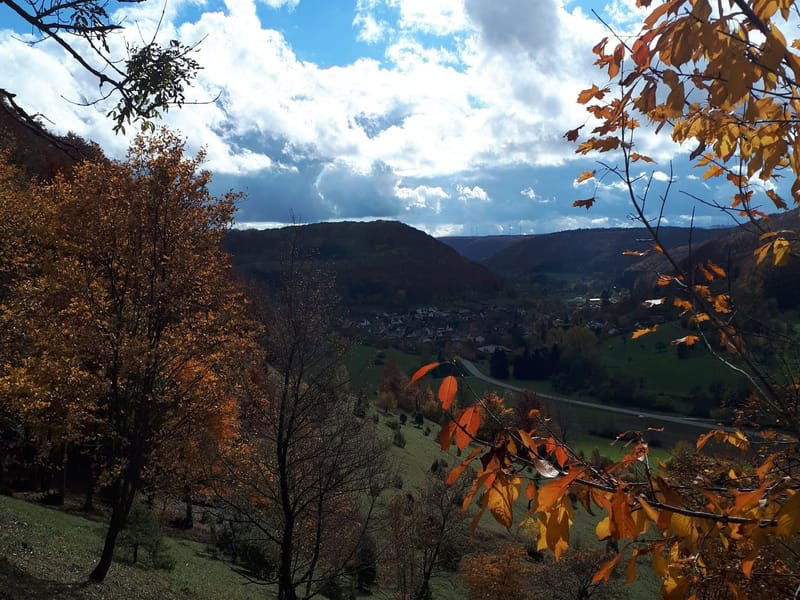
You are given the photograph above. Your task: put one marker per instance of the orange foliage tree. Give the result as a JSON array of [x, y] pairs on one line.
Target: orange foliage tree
[[129, 287]]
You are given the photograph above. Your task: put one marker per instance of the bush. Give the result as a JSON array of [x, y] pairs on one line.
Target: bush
[[392, 424], [435, 466], [419, 420], [240, 544], [426, 431], [403, 418], [143, 530], [399, 439], [331, 589], [398, 482], [376, 418]]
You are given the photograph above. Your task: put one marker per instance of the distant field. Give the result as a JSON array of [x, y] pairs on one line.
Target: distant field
[[659, 366]]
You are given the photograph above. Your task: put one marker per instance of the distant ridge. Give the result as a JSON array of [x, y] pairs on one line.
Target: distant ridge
[[578, 251], [378, 263]]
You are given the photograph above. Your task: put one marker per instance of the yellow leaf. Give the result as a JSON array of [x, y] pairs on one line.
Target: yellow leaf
[[712, 171], [780, 251], [603, 529], [788, 517]]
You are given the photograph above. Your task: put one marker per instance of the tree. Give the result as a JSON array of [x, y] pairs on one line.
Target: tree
[[505, 573], [303, 472], [723, 77], [424, 533], [149, 80], [498, 364], [130, 286]]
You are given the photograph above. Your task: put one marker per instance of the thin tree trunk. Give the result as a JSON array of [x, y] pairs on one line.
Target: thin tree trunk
[[188, 520], [119, 514]]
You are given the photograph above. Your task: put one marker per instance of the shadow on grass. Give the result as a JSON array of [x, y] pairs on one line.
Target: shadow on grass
[[16, 584]]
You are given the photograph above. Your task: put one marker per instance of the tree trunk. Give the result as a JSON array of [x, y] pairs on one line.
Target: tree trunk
[[114, 527], [88, 501], [188, 520], [286, 589], [119, 514]]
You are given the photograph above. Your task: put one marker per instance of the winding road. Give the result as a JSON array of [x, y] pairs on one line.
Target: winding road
[[686, 421]]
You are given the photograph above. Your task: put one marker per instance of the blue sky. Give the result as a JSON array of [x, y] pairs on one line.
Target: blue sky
[[445, 114]]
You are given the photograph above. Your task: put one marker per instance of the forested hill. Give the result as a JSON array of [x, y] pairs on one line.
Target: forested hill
[[481, 248], [585, 251], [379, 263]]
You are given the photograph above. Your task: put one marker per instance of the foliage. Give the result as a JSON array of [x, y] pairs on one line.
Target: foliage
[[147, 82], [725, 517], [124, 310], [143, 530]]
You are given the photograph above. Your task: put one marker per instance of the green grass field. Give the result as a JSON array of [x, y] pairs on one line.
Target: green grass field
[[653, 359]]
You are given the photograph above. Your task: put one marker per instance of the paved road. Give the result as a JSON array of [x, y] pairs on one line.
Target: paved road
[[686, 421]]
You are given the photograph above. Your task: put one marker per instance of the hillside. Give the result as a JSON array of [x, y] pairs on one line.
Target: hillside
[[380, 263], [585, 251], [733, 249], [481, 248]]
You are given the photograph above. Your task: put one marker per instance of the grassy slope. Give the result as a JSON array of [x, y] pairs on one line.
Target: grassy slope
[[45, 553], [663, 372]]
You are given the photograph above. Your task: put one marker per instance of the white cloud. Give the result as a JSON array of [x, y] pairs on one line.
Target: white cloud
[[467, 194], [529, 193], [290, 4], [663, 177], [422, 196], [370, 30]]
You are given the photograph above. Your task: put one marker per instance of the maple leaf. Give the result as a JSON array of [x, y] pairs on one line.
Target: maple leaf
[[585, 176], [688, 340]]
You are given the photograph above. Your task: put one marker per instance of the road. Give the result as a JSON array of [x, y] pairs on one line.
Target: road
[[686, 421]]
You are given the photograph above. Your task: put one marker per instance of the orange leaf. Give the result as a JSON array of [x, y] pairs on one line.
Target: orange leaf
[[468, 423], [585, 176], [446, 435], [551, 493], [447, 391], [640, 332], [688, 340], [735, 438], [453, 475], [604, 572], [636, 252], [422, 371]]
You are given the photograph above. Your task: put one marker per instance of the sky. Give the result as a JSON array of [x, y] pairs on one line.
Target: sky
[[447, 115]]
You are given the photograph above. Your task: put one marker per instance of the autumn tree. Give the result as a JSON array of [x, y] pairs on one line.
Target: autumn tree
[[130, 286], [505, 573], [424, 533], [304, 473]]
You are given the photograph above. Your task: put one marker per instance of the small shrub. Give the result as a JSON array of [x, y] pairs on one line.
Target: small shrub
[[398, 482], [419, 420], [392, 424], [143, 530], [399, 439], [403, 418], [435, 467], [426, 431], [376, 418], [331, 589]]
